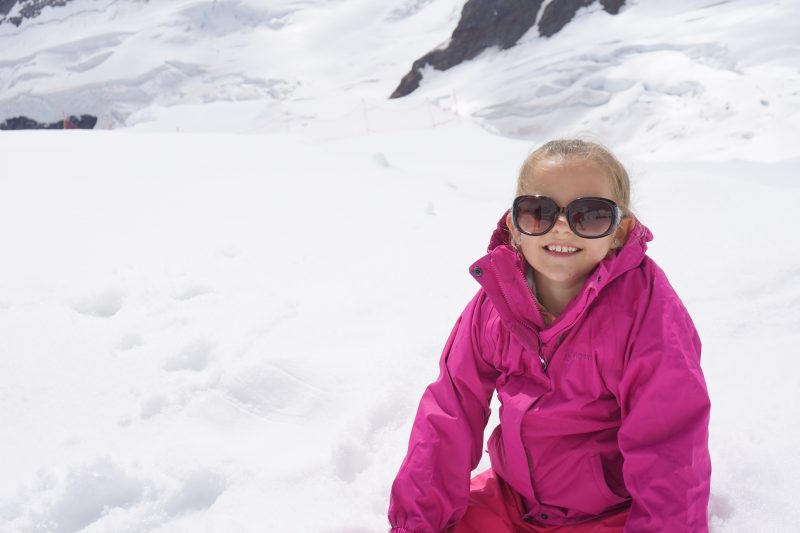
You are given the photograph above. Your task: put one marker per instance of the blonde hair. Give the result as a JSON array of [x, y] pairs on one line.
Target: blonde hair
[[572, 149]]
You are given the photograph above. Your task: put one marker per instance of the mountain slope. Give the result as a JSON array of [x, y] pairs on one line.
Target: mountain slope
[[684, 71]]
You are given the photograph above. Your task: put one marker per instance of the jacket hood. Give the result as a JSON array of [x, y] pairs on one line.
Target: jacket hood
[[628, 256], [509, 291]]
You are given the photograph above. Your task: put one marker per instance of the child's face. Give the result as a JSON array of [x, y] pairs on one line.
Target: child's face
[[564, 181]]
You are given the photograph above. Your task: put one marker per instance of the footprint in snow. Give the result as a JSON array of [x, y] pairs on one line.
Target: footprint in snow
[[388, 413], [353, 454], [381, 159], [199, 491], [193, 357], [88, 492], [230, 251], [153, 405], [350, 458], [267, 389], [103, 304], [720, 506], [187, 292], [130, 341]]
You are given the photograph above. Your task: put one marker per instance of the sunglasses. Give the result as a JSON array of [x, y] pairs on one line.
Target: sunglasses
[[590, 218]]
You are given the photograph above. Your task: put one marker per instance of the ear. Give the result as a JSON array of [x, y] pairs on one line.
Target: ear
[[622, 231], [512, 231]]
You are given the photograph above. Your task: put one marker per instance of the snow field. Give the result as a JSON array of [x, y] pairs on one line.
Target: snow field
[[203, 331], [198, 349], [201, 323]]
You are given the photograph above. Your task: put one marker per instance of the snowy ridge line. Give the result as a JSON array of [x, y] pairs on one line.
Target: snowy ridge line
[[76, 46], [31, 23], [165, 80], [88, 56], [379, 117], [366, 117], [571, 82]]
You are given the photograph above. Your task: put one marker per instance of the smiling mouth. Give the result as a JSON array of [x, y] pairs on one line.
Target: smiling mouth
[[561, 250]]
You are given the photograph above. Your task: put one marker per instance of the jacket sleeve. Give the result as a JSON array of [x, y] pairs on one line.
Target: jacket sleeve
[[665, 414], [431, 490]]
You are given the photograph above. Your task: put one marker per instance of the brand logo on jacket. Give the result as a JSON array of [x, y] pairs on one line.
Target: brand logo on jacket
[[581, 357]]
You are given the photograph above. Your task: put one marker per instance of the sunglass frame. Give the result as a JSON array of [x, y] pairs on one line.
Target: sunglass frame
[[617, 215]]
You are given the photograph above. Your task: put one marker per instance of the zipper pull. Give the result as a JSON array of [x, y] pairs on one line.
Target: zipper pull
[[539, 352]]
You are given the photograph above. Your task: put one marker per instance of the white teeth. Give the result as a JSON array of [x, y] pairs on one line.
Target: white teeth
[[562, 249]]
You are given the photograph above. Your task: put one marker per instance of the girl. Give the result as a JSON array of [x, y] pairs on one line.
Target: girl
[[596, 363]]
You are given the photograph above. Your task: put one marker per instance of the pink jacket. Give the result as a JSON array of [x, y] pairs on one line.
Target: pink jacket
[[606, 408]]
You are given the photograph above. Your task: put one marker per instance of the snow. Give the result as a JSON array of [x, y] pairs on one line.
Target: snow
[[220, 315]]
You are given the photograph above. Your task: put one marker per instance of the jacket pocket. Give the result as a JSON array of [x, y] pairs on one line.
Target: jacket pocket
[[517, 395], [606, 498]]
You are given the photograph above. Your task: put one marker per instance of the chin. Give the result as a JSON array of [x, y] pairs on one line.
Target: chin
[[561, 276]]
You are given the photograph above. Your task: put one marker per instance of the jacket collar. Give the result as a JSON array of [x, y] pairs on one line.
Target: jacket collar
[[501, 273]]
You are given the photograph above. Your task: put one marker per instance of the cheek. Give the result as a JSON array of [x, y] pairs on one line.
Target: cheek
[[600, 248], [531, 244]]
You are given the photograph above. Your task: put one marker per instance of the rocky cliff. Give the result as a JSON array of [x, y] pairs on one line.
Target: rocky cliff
[[27, 9], [501, 23], [83, 122]]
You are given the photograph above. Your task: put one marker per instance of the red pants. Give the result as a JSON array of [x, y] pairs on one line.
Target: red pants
[[494, 507]]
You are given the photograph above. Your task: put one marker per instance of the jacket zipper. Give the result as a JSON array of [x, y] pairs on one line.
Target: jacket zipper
[[542, 345], [545, 361]]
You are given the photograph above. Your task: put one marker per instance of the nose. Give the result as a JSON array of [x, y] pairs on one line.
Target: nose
[[561, 224]]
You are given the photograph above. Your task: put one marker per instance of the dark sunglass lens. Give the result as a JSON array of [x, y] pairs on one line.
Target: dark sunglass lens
[[536, 215], [591, 217]]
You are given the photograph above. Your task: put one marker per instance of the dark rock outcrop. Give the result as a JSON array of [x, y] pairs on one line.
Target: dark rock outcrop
[[501, 23], [612, 6], [6, 5], [30, 9], [559, 13], [483, 24], [83, 122]]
